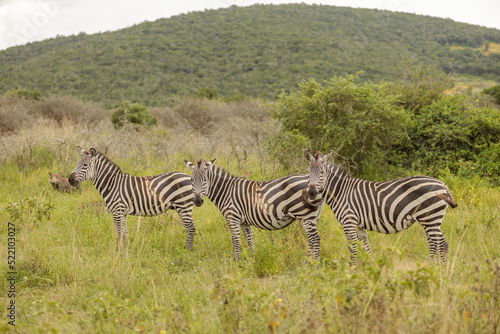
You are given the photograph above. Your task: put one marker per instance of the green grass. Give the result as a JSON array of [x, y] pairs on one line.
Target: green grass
[[70, 278]]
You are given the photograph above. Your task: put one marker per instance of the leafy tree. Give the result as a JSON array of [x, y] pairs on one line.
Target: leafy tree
[[493, 91], [360, 122], [134, 113]]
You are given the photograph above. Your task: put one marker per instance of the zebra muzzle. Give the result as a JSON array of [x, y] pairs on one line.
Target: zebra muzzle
[[198, 200], [312, 191]]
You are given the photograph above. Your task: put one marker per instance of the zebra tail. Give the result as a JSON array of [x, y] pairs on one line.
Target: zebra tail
[[308, 204], [447, 200]]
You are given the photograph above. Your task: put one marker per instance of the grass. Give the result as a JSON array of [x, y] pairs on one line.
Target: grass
[[492, 48], [70, 278], [465, 83]]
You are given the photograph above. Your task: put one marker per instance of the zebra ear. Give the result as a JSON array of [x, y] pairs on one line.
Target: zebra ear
[[189, 164], [80, 151], [308, 155], [210, 163], [328, 156], [92, 152]]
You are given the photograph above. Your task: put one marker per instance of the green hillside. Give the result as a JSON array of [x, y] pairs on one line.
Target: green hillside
[[252, 51]]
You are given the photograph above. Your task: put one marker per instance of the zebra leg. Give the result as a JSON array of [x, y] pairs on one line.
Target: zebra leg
[[120, 228], [432, 245], [247, 231], [234, 228], [443, 249], [124, 231], [187, 219], [351, 233], [363, 237], [436, 241], [312, 237]]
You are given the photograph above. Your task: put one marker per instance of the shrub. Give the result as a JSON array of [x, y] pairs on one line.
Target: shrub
[[208, 93], [16, 113], [33, 95], [452, 133], [134, 113], [493, 91], [358, 121]]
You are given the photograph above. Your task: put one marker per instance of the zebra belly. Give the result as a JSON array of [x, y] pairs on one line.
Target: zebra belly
[[266, 217], [154, 210], [272, 224], [378, 223], [374, 221]]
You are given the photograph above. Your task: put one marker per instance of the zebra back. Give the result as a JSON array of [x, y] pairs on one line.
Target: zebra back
[[385, 207]]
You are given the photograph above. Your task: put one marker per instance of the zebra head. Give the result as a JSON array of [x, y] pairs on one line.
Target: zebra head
[[84, 168], [315, 172], [199, 179]]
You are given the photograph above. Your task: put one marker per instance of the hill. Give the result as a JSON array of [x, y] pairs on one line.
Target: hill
[[252, 51]]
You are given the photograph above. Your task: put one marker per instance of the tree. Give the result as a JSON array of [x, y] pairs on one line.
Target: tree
[[134, 113], [421, 85], [360, 122]]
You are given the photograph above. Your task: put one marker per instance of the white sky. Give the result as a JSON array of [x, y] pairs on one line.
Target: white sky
[[23, 21]]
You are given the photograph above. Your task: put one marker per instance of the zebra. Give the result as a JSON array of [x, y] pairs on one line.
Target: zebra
[[385, 207], [126, 194], [268, 205]]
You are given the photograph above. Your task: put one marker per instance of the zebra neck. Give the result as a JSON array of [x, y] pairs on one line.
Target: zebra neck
[[220, 180], [336, 180], [105, 173]]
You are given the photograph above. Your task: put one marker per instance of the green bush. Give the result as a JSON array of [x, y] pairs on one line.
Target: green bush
[[208, 93], [134, 113], [493, 91], [33, 95], [360, 122], [453, 133]]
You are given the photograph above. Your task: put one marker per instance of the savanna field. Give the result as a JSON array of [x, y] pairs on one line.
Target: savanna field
[[70, 278]]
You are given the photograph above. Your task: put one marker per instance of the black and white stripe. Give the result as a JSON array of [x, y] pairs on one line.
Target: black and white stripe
[[385, 207], [125, 194], [269, 205]]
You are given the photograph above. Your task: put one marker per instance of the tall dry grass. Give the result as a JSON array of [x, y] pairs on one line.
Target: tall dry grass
[[46, 132]]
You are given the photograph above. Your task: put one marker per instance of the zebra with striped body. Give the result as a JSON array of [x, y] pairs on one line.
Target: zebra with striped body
[[385, 207], [126, 194], [269, 205]]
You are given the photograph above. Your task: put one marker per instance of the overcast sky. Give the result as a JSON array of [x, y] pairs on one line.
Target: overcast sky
[[23, 21]]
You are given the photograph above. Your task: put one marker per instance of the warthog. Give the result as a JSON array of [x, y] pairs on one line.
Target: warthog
[[60, 183]]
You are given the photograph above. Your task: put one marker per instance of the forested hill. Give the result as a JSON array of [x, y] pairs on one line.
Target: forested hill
[[252, 51]]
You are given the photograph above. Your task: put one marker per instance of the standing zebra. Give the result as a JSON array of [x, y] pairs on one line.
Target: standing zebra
[[384, 207], [269, 205], [125, 194]]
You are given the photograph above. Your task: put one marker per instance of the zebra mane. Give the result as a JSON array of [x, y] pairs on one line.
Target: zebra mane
[[224, 173], [111, 162], [341, 171]]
